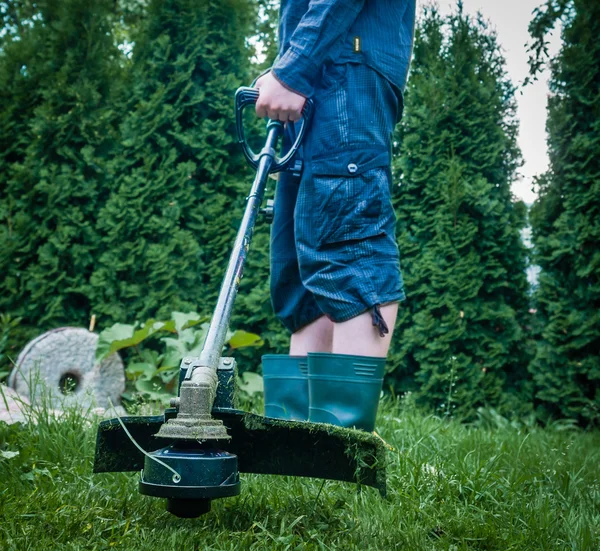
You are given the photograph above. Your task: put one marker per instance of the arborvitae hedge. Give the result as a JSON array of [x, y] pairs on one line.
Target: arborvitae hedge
[[566, 220], [167, 225], [57, 126], [121, 188], [122, 184], [459, 336]]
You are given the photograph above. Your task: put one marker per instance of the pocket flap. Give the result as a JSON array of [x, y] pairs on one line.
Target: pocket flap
[[349, 163]]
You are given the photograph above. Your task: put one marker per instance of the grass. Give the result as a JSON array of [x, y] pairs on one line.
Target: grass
[[493, 485]]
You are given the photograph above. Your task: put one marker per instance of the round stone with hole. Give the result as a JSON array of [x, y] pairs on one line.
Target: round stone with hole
[[60, 365]]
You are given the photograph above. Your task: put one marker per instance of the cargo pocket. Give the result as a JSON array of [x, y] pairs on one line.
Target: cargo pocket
[[348, 196]]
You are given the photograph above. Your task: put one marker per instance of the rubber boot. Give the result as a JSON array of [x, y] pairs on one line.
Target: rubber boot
[[344, 390], [286, 386]]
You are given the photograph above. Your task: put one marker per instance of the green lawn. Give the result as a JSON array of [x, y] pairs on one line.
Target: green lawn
[[488, 486]]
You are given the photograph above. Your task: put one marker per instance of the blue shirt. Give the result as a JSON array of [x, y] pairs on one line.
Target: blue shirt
[[314, 33]]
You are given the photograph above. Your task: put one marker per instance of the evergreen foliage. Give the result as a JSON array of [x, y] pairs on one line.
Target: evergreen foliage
[[174, 198], [459, 339], [266, 31], [122, 184], [56, 129], [566, 218]]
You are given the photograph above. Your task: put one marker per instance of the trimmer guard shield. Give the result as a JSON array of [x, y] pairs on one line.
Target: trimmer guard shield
[[263, 445]]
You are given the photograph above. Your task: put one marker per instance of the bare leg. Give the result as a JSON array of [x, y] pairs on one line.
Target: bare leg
[[359, 337], [314, 337]]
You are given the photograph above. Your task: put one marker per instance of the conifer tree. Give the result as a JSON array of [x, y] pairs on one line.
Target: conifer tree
[[459, 336], [566, 217], [266, 31], [175, 194], [58, 61]]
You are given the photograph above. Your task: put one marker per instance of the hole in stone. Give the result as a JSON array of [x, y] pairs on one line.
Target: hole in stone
[[68, 383]]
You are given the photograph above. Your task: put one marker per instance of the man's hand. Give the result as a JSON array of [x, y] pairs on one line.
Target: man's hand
[[276, 101]]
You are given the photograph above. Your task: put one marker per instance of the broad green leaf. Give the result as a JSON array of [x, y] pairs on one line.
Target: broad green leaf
[[174, 353], [243, 339], [121, 336], [151, 356], [196, 351], [154, 390], [141, 368], [188, 336], [148, 386], [194, 323], [198, 344], [166, 369], [184, 320], [167, 375], [115, 333]]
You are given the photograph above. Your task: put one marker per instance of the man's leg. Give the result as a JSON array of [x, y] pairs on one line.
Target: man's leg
[[345, 239], [314, 337], [293, 304], [345, 223], [358, 336]]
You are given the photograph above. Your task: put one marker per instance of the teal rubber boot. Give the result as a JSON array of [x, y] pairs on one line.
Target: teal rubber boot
[[286, 386], [344, 390]]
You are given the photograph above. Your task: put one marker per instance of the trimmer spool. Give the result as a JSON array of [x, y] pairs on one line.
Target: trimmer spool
[[205, 473]]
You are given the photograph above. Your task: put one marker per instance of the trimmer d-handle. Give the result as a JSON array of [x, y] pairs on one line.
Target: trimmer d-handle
[[249, 96]]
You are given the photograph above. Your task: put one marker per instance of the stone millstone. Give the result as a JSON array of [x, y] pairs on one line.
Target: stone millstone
[[12, 406], [63, 361]]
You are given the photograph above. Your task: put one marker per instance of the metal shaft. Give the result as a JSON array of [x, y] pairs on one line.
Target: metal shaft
[[217, 331]]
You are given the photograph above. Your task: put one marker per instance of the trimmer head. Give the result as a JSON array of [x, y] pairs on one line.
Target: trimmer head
[[258, 444]]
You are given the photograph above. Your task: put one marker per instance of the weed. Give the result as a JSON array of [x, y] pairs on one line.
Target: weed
[[7, 326]]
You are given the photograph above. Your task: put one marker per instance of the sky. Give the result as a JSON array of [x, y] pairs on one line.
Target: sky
[[510, 19]]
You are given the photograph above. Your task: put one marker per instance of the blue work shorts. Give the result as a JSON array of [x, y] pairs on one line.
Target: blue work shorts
[[333, 244]]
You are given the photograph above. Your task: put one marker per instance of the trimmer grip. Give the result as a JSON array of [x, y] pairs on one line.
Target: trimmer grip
[[245, 96]]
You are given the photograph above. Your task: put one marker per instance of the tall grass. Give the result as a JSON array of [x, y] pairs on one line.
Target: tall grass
[[491, 485]]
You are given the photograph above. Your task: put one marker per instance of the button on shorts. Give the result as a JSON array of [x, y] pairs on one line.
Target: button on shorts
[[333, 243]]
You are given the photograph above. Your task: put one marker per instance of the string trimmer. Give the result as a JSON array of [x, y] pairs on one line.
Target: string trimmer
[[195, 451]]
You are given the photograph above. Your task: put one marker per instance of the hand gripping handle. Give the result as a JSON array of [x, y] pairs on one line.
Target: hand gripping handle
[[245, 96]]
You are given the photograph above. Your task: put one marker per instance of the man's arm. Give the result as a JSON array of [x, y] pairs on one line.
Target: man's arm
[[292, 77], [325, 22]]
